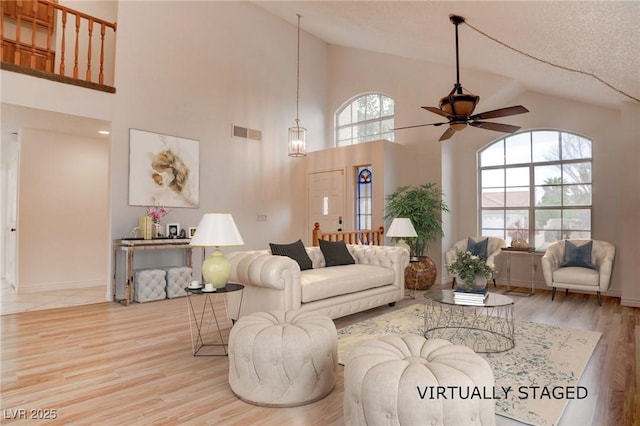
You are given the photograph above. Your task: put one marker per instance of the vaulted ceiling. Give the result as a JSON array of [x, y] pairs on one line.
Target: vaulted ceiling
[[601, 38]]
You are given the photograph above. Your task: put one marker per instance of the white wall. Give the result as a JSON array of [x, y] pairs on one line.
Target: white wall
[[63, 218], [215, 67]]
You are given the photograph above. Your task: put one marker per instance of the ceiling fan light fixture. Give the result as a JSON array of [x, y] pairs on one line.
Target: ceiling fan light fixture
[[458, 126], [459, 104]]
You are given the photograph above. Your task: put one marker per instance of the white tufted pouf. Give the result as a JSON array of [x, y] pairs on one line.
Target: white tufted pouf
[[395, 380], [283, 359]]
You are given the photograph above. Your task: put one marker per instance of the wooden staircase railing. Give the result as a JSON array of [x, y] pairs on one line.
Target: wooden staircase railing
[[32, 29], [362, 236]]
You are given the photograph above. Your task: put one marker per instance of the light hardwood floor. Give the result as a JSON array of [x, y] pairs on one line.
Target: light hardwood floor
[[109, 364]]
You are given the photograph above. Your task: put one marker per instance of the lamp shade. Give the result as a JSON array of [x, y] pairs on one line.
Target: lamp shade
[[401, 227], [217, 229]]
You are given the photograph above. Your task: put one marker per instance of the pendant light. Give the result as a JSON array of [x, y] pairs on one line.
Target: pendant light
[[297, 134]]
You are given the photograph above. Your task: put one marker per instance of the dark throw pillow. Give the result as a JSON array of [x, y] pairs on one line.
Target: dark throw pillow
[[478, 248], [578, 255], [335, 253], [295, 251]]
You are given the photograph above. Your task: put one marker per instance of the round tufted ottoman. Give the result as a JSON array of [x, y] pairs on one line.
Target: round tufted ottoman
[[283, 359], [409, 380]]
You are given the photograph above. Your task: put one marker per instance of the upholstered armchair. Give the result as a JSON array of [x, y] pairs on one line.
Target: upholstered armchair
[[476, 246], [578, 264]]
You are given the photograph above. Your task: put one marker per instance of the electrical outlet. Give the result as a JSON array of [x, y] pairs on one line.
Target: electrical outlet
[[262, 218]]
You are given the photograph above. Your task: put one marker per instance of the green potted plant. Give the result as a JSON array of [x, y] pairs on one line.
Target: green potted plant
[[424, 206]]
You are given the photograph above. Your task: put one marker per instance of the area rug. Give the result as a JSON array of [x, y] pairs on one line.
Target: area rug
[[542, 371]]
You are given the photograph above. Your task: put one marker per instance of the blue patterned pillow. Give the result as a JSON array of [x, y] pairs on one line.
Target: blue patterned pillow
[[478, 248], [577, 255]]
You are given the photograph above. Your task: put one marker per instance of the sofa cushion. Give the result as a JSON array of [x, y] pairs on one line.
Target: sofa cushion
[[335, 253], [575, 275], [295, 251], [579, 256], [322, 283]]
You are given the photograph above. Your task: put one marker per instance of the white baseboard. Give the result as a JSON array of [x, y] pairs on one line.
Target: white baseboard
[[68, 285], [632, 303]]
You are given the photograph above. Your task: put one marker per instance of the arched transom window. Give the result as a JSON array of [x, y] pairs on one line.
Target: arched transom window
[[366, 118]]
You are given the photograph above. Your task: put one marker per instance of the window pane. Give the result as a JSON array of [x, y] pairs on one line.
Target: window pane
[[546, 146], [544, 238], [493, 178], [547, 175], [549, 195], [576, 173], [493, 233], [344, 134], [365, 206], [518, 176], [492, 219], [518, 149], [493, 155], [576, 219], [360, 105], [492, 198], [387, 106], [517, 224], [576, 195], [548, 218], [575, 147], [388, 136], [373, 107], [345, 116], [386, 125], [518, 196]]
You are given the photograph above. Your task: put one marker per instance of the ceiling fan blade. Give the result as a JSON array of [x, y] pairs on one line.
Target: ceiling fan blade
[[447, 134], [419, 125], [498, 127], [438, 111], [502, 112]]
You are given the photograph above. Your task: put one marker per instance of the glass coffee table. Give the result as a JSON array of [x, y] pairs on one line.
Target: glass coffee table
[[484, 327]]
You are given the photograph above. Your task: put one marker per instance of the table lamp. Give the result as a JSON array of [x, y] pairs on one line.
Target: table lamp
[[216, 230], [401, 227]]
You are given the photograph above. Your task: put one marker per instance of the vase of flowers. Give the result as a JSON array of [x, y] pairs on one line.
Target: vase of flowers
[[472, 271], [156, 214]]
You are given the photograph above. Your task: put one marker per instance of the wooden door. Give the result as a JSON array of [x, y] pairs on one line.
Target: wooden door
[[326, 200]]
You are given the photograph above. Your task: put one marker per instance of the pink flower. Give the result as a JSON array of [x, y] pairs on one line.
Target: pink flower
[[157, 213]]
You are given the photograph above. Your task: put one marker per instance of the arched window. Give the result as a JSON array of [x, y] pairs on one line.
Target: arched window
[[366, 118], [536, 186]]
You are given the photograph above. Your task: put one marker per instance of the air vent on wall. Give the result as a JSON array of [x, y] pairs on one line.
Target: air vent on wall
[[246, 133]]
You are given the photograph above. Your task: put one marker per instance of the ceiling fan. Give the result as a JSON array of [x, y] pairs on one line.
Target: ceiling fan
[[458, 106]]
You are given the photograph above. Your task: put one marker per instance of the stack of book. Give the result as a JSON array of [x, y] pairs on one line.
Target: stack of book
[[476, 297]]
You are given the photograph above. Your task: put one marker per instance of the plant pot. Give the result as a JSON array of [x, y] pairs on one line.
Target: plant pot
[[479, 282], [420, 275]]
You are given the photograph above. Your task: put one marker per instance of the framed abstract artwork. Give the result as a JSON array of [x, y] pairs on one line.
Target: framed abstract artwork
[[163, 170]]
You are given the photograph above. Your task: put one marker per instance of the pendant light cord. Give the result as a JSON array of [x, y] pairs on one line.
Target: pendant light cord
[[298, 72], [544, 61]]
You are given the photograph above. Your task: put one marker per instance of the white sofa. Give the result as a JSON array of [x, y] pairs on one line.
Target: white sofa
[[276, 282]]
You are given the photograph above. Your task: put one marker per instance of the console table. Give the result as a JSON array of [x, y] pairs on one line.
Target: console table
[[532, 256], [130, 246]]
